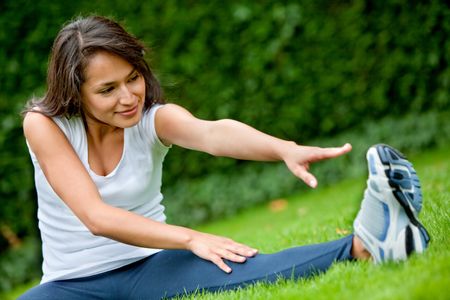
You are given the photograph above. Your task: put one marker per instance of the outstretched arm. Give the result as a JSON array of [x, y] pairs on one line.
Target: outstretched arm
[[72, 183], [229, 138]]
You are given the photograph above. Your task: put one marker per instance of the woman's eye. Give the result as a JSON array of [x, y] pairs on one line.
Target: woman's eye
[[135, 77], [106, 91]]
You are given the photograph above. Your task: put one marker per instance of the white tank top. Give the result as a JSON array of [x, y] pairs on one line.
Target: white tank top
[[69, 249]]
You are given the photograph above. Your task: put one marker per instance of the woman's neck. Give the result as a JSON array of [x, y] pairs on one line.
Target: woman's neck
[[105, 146], [98, 131]]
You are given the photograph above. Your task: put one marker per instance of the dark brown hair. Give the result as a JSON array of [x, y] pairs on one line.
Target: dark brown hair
[[72, 48]]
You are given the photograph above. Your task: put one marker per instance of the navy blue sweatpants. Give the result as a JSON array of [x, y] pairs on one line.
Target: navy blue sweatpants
[[176, 272]]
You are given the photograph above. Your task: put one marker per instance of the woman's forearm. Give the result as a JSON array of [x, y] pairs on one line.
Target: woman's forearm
[[133, 229], [234, 139], [229, 138]]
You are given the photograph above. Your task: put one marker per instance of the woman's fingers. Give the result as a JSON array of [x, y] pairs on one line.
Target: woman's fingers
[[217, 260], [231, 256], [331, 152], [236, 252], [298, 161], [228, 255], [308, 178], [242, 250], [216, 249], [302, 172]]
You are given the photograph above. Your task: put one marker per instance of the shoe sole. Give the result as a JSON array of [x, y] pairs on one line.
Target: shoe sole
[[399, 181]]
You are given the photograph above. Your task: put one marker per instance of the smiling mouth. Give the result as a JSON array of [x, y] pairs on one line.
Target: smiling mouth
[[129, 112]]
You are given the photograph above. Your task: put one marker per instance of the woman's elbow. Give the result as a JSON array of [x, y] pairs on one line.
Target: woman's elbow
[[94, 224], [96, 230]]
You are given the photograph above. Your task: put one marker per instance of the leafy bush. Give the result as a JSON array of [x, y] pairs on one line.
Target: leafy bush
[[295, 70], [299, 70], [20, 264]]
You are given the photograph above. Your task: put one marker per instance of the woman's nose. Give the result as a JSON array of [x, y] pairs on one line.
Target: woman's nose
[[126, 96]]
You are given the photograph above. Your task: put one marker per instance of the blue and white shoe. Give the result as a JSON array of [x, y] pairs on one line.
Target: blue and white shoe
[[387, 222]]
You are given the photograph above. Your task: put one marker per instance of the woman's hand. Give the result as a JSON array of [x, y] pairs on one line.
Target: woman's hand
[[298, 158], [216, 248]]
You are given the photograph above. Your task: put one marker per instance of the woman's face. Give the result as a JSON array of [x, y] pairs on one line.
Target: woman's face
[[113, 93]]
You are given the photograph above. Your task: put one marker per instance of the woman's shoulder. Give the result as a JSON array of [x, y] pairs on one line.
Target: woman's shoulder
[[38, 130], [35, 122], [147, 125]]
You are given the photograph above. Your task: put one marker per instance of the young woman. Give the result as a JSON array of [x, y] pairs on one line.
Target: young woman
[[98, 139]]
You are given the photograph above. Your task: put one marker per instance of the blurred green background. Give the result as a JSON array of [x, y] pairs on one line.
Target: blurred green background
[[321, 72]]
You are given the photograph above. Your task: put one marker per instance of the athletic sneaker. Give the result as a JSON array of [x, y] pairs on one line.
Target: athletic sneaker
[[387, 222]]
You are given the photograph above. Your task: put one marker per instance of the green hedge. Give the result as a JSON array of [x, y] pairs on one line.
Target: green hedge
[[301, 70], [20, 264]]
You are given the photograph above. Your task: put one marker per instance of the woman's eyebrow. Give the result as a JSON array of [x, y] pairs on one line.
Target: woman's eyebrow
[[102, 84]]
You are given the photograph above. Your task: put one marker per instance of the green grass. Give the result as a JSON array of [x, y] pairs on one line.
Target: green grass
[[327, 213], [323, 215]]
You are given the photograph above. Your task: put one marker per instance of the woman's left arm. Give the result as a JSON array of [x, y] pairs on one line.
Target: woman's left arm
[[230, 138]]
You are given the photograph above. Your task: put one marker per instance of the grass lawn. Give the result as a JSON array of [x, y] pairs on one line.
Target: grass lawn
[[327, 213]]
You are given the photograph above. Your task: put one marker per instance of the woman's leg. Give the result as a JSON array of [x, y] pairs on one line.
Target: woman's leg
[[92, 287], [176, 272]]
